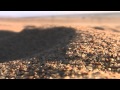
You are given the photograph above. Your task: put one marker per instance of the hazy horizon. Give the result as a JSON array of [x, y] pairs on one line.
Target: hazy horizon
[[46, 13]]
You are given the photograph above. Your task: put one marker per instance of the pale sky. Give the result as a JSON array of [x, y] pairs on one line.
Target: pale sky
[[44, 13]]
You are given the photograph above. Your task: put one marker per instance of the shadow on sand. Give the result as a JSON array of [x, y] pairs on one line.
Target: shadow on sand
[[98, 28], [115, 30], [6, 33], [103, 28], [32, 40]]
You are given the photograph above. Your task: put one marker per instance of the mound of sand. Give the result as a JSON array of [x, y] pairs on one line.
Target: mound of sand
[[60, 52]]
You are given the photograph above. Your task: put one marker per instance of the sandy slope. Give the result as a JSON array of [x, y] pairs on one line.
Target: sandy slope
[[85, 49]]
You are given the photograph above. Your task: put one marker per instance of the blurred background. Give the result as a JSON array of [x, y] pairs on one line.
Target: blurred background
[[16, 20], [46, 13]]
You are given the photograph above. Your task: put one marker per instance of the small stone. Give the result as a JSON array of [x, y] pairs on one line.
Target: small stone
[[66, 77], [50, 78], [112, 60], [109, 69], [115, 54], [118, 58], [12, 78], [3, 66], [103, 59], [89, 68], [97, 77], [99, 66], [30, 77], [83, 55], [72, 76], [36, 76], [69, 48], [84, 73], [118, 70]]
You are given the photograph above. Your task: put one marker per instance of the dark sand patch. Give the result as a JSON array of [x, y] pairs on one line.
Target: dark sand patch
[[33, 40]]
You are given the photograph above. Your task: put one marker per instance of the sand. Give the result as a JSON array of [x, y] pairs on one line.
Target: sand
[[59, 49]]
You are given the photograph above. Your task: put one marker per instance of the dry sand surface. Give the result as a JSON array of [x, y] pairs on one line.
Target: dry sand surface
[[59, 49]]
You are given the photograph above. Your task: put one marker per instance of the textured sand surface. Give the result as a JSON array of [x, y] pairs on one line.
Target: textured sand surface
[[59, 50]]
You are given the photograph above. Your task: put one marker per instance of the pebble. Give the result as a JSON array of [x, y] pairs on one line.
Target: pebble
[[89, 68], [109, 69], [66, 77], [30, 77], [83, 55]]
